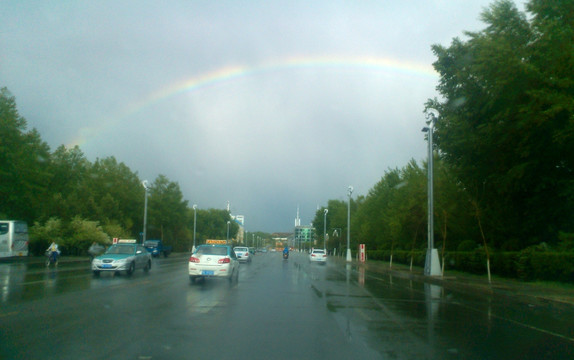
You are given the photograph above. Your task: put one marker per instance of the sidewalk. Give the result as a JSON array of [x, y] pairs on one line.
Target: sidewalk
[[532, 292]]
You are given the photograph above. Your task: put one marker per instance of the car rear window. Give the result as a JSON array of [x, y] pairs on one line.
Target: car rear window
[[208, 250], [240, 249]]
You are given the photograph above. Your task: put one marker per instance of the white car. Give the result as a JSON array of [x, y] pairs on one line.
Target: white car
[[242, 253], [217, 261], [318, 255]]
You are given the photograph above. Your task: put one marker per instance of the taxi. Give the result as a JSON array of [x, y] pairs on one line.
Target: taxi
[[213, 261], [126, 255]]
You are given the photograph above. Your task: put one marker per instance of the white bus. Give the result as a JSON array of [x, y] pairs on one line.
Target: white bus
[[13, 238]]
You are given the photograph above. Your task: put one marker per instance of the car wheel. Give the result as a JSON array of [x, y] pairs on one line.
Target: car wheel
[[192, 279], [96, 273], [132, 268], [147, 266]]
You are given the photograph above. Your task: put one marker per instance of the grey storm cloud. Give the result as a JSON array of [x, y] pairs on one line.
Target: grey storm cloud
[[268, 105]]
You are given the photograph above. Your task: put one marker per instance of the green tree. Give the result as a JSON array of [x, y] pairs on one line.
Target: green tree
[[505, 126], [168, 213], [24, 164], [68, 168], [112, 193], [212, 224], [41, 236], [336, 223], [81, 233]]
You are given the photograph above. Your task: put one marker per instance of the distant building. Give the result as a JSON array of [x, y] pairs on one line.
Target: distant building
[[304, 237], [281, 240], [240, 220]]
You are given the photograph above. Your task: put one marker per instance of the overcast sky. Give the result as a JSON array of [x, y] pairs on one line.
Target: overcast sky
[[265, 104]]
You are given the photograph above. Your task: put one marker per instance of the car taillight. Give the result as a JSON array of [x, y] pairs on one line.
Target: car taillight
[[312, 254], [225, 260], [193, 259]]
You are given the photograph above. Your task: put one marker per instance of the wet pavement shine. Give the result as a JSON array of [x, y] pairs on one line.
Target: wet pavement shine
[[281, 309]]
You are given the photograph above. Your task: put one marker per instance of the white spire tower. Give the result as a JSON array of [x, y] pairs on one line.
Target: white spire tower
[[297, 219]]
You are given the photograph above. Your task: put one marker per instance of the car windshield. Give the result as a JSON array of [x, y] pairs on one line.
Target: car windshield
[[151, 243], [212, 250], [121, 249]]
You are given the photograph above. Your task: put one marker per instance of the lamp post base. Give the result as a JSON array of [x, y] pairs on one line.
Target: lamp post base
[[349, 256], [432, 263]]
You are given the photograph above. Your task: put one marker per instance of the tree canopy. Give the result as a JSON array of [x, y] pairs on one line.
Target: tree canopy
[[506, 124]]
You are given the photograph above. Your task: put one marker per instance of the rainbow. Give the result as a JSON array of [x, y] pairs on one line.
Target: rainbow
[[229, 73]]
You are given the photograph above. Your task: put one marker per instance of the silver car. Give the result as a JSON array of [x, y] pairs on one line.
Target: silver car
[[124, 256]]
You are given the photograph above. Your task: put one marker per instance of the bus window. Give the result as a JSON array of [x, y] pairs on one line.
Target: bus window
[[13, 238]]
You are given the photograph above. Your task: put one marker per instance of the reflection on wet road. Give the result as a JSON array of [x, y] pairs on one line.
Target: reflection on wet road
[[278, 309]]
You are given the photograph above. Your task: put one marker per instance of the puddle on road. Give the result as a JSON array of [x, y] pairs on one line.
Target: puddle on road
[[24, 281]]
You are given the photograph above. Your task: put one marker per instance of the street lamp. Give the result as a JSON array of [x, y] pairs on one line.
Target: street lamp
[[146, 187], [228, 232], [194, 223], [349, 257], [432, 262], [325, 230]]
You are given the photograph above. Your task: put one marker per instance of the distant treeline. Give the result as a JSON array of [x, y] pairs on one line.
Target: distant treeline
[[70, 200]]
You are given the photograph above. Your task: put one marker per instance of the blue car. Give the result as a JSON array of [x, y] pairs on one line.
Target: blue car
[[126, 256]]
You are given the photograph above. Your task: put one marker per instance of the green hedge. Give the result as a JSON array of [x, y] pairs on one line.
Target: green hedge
[[399, 256], [529, 264]]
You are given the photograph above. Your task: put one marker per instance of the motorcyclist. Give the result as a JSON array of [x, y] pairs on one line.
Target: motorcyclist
[[53, 252], [286, 252]]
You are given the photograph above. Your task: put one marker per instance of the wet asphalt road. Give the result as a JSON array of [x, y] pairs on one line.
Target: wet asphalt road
[[278, 309]]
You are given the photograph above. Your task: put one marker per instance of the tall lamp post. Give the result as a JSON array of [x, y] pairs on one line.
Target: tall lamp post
[[432, 262], [325, 230], [349, 256], [146, 187], [227, 242], [194, 223]]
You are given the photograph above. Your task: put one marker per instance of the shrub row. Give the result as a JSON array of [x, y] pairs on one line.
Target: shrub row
[[529, 264]]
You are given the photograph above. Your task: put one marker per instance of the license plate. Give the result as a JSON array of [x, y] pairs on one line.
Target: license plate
[[207, 272], [106, 266]]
